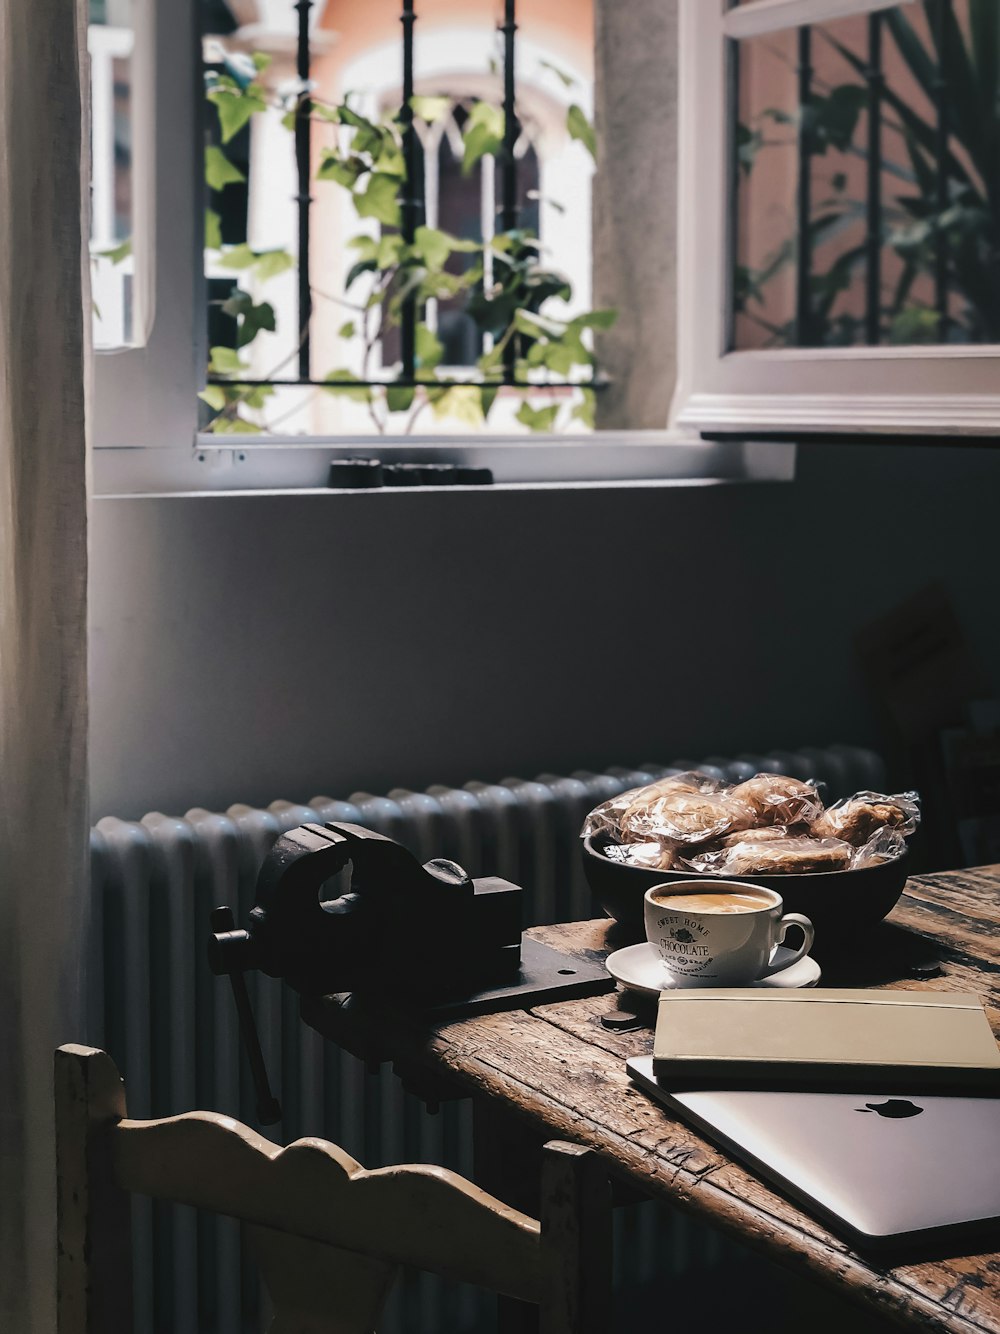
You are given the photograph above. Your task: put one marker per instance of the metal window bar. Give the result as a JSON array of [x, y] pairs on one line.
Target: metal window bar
[[733, 181], [412, 208], [943, 18], [803, 273], [873, 208], [410, 204], [303, 164], [508, 181]]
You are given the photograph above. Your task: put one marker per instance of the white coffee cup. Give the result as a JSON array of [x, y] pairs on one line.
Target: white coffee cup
[[720, 934]]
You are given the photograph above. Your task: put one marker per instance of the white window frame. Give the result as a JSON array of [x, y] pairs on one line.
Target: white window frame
[[144, 394], [144, 420], [911, 391]]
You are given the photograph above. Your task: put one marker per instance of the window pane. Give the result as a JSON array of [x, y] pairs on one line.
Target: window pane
[[110, 42], [866, 159], [487, 307]]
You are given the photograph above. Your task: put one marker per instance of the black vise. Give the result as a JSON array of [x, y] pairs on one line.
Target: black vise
[[398, 927]]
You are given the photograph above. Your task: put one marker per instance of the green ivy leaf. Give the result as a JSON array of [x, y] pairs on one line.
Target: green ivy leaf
[[215, 396], [234, 426], [356, 270], [219, 171], [119, 253], [213, 230], [429, 348], [487, 395], [390, 160], [324, 111], [235, 107], [389, 250], [368, 137], [378, 200], [365, 245], [224, 361], [399, 398], [344, 171], [584, 410], [594, 319], [483, 134], [430, 109], [461, 401], [347, 330], [433, 246], [237, 257], [256, 395], [252, 317], [579, 127], [269, 263], [559, 358], [537, 419], [261, 61], [340, 382], [534, 325]]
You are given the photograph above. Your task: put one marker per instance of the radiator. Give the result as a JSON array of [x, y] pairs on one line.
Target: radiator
[[171, 1025]]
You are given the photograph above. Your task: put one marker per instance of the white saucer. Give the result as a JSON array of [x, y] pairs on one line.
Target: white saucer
[[640, 968]]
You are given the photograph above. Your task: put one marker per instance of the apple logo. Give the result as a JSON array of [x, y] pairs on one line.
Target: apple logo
[[895, 1108]]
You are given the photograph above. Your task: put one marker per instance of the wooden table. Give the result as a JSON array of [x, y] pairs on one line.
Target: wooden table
[[557, 1069]]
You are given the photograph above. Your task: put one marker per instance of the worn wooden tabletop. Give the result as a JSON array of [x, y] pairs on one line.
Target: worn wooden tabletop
[[559, 1067]]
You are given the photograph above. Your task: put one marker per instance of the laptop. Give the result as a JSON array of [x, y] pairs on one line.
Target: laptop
[[885, 1169]]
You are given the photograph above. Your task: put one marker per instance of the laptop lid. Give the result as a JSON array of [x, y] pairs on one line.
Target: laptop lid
[[885, 1167]]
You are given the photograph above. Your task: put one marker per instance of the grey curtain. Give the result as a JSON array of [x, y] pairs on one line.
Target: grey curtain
[[44, 324]]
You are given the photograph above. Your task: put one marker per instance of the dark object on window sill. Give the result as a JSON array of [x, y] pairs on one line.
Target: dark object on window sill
[[368, 474], [356, 474]]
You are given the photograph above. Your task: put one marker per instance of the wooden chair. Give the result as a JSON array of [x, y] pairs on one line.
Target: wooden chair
[[328, 1235]]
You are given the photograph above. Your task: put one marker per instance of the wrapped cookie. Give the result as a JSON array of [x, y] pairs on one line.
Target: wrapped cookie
[[885, 845], [780, 800], [855, 819], [768, 834], [607, 818], [801, 855], [650, 856], [686, 818]]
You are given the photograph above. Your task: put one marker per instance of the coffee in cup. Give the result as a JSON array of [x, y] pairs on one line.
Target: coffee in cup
[[720, 936]]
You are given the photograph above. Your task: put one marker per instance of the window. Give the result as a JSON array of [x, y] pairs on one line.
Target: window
[[399, 250], [840, 252], [110, 42], [279, 404]]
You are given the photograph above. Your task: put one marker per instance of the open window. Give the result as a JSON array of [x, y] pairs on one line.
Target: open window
[[840, 218]]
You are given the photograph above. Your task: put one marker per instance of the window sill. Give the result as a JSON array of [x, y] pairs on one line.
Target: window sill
[[243, 465]]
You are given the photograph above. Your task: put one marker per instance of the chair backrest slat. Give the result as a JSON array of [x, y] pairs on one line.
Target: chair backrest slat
[[329, 1236], [427, 1217]]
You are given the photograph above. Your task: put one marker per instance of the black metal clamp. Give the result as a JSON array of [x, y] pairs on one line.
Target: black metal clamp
[[430, 937]]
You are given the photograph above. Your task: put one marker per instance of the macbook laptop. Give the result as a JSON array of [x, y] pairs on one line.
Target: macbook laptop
[[885, 1169]]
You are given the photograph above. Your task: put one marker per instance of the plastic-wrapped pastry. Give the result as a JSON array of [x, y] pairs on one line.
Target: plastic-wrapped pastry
[[768, 834], [607, 818], [885, 845], [650, 856], [855, 819], [686, 817], [773, 856], [778, 799]]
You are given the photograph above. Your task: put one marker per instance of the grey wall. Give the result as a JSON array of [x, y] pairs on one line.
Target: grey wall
[[249, 647]]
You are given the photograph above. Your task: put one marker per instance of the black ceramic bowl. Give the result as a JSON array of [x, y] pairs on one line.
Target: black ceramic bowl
[[838, 903]]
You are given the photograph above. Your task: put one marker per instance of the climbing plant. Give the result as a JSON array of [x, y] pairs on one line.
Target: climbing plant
[[517, 302]]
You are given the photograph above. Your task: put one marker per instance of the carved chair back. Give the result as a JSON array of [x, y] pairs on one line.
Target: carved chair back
[[329, 1237]]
